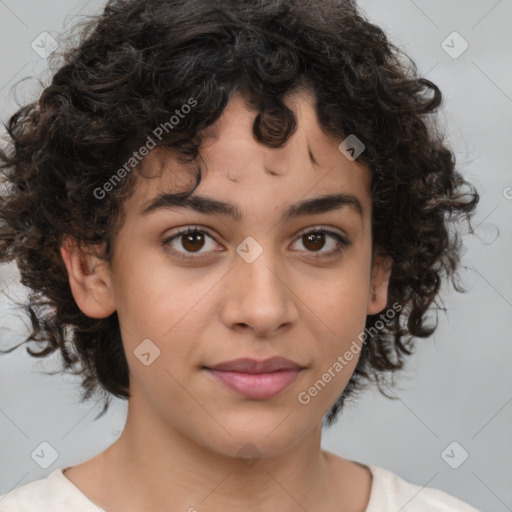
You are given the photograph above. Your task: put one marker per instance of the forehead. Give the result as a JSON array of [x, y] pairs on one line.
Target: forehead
[[236, 168]]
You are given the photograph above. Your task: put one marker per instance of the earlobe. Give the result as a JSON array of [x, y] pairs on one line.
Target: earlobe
[[378, 298], [89, 279]]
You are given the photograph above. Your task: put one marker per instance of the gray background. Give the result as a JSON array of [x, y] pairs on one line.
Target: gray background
[[458, 387]]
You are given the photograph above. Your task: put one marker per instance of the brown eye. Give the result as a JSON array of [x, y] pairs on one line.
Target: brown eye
[[192, 241], [189, 241], [316, 239]]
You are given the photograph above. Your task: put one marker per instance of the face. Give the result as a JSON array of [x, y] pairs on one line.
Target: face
[[258, 286]]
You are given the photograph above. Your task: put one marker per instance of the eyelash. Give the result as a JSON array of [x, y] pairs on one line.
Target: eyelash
[[343, 243]]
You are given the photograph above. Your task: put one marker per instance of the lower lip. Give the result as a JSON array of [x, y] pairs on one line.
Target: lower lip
[[256, 385]]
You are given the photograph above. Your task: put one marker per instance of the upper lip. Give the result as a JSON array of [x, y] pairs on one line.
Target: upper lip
[[248, 365]]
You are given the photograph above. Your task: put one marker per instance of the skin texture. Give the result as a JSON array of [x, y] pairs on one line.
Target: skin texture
[[184, 429]]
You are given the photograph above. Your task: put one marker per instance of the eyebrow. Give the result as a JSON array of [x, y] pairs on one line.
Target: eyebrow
[[208, 205]]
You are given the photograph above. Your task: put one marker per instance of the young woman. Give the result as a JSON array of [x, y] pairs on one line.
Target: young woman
[[234, 214]]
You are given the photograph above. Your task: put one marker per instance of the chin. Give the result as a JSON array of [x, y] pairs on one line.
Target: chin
[[256, 436]]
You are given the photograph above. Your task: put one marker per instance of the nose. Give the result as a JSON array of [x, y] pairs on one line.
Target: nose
[[259, 297]]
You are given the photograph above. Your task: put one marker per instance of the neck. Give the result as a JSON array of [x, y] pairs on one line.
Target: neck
[[166, 467]]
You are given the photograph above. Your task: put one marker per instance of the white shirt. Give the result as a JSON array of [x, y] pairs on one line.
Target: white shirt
[[389, 493]]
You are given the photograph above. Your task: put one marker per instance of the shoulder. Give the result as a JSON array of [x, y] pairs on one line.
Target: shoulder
[[54, 493], [391, 492]]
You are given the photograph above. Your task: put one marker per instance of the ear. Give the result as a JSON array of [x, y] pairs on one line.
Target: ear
[[381, 272], [89, 279]]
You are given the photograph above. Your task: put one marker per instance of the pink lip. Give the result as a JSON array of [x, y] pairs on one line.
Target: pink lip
[[256, 385], [257, 379]]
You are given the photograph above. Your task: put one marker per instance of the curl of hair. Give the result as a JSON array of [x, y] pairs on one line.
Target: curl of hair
[[138, 62]]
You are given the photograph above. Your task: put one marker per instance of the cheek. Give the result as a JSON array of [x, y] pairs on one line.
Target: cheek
[[336, 356], [161, 349], [341, 311], [169, 323], [154, 297], [341, 305]]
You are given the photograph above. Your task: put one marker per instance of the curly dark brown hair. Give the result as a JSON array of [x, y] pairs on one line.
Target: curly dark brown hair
[[138, 62]]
